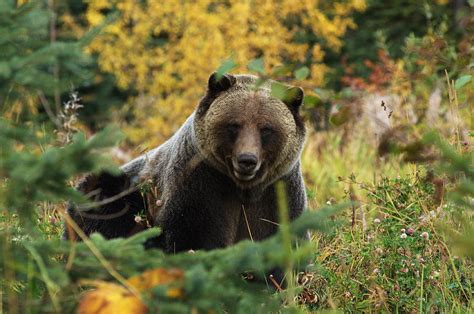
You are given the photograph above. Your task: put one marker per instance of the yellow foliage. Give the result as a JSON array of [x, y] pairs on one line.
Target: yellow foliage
[[110, 298], [158, 276], [167, 49], [114, 298]]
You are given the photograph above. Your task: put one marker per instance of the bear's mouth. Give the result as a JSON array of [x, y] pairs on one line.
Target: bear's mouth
[[239, 174], [244, 176]]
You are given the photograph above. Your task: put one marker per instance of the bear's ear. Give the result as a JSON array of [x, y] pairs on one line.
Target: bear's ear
[[214, 87], [216, 84], [294, 98]]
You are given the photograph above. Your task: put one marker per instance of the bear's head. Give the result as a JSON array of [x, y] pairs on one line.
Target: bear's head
[[245, 132]]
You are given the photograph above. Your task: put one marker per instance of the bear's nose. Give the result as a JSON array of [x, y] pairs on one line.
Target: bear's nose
[[247, 162]]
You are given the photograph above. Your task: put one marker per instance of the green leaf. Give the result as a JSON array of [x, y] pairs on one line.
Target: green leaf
[[302, 73], [5, 70], [108, 137], [279, 90], [281, 70], [340, 117], [311, 101], [226, 66], [324, 94], [257, 65], [463, 80]]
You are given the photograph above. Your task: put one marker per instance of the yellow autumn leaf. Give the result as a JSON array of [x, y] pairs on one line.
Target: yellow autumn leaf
[[114, 298], [154, 277], [110, 298]]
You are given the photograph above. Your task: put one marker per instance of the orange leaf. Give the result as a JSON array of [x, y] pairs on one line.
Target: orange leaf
[[110, 298], [114, 298], [155, 277]]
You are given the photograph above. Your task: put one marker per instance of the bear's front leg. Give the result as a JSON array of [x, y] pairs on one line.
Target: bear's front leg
[[188, 224], [114, 203]]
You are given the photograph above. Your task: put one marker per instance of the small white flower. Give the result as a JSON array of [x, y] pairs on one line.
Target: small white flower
[[376, 221], [403, 236]]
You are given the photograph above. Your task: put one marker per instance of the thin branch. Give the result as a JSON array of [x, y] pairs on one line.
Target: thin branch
[[247, 222], [106, 201], [72, 224], [52, 37], [47, 108], [107, 216], [277, 286], [269, 221]]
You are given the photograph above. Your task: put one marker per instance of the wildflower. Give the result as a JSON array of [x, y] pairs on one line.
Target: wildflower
[[425, 235], [410, 231], [376, 221], [403, 236], [138, 219]]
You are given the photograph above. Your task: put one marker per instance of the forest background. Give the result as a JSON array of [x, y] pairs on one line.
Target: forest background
[[388, 106]]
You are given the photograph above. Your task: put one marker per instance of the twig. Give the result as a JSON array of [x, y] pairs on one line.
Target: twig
[[72, 224], [105, 217], [247, 223], [269, 221], [52, 38], [353, 199], [277, 286], [51, 286], [47, 108], [107, 200]]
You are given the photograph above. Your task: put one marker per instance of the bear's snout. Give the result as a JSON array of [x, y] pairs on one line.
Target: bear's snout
[[245, 166], [247, 163]]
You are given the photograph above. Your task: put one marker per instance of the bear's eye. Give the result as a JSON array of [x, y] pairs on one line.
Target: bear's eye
[[266, 132], [233, 128]]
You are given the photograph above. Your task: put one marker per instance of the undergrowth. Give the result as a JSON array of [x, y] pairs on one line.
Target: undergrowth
[[393, 258]]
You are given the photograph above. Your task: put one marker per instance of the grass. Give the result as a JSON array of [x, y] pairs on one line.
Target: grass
[[387, 255], [331, 157], [397, 261]]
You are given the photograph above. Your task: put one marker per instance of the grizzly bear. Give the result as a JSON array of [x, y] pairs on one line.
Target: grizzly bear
[[212, 183]]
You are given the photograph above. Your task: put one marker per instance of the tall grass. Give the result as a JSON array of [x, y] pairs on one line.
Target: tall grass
[[332, 159]]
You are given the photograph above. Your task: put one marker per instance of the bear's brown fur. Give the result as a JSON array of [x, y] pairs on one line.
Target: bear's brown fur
[[214, 179]]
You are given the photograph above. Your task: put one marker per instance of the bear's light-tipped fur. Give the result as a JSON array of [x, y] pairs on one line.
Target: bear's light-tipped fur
[[224, 160]]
